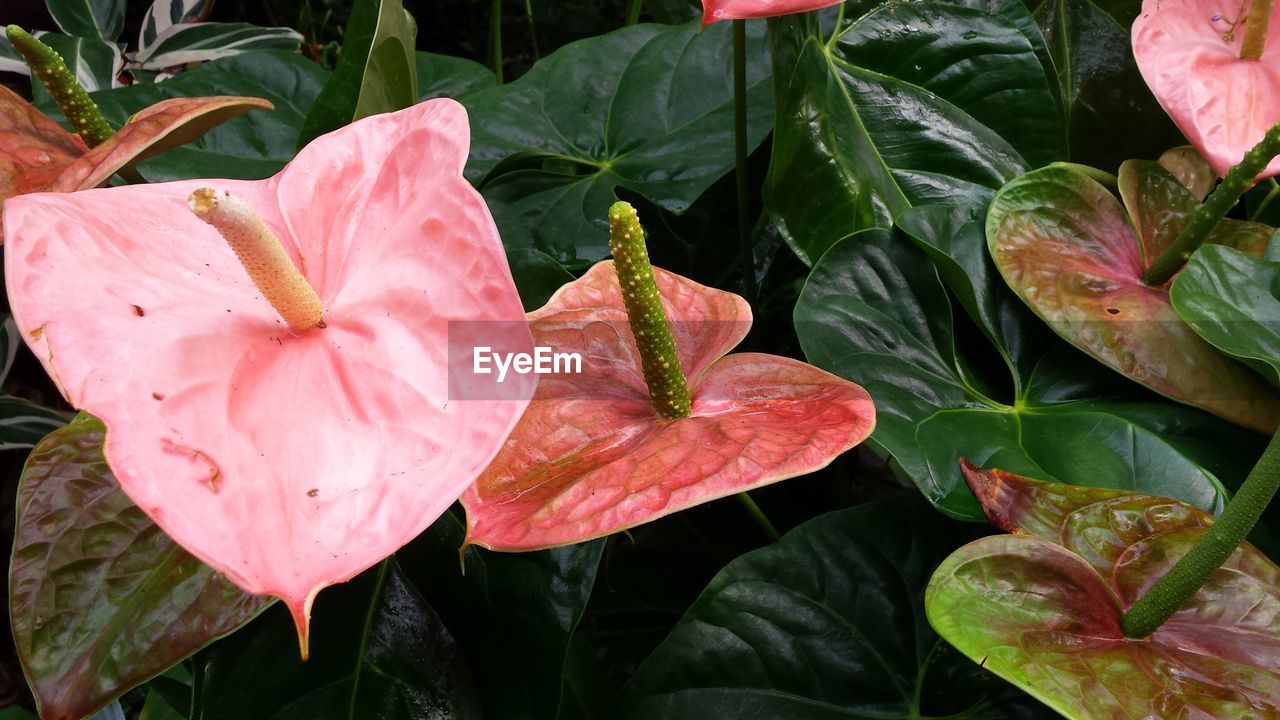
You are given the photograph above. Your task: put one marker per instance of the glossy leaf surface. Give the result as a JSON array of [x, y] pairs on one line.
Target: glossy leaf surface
[[382, 653], [648, 108], [912, 104], [827, 623], [101, 599], [99, 19], [451, 77], [591, 456], [1229, 299], [874, 309], [1067, 248], [1042, 607], [377, 71]]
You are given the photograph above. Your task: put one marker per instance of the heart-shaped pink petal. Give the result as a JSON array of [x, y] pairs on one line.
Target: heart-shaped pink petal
[[287, 461], [716, 10], [1190, 57], [591, 456]]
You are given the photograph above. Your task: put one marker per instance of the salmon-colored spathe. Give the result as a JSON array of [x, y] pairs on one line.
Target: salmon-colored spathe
[[591, 456], [287, 460], [1189, 55]]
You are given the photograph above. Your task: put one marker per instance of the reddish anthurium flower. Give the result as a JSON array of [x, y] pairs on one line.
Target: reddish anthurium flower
[[1189, 52], [716, 10], [592, 456], [37, 154], [288, 459]]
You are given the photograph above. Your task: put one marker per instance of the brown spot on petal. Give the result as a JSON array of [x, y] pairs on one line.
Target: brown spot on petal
[[137, 310], [313, 492], [157, 396]]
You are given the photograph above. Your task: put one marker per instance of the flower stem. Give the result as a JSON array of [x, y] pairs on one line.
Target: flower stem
[[1215, 207], [1207, 555], [745, 249], [533, 29], [47, 65], [495, 39], [633, 12], [668, 390], [758, 515], [1255, 29]]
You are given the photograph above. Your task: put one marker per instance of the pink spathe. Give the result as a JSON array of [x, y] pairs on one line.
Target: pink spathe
[[591, 456], [716, 10], [288, 461], [1223, 104]]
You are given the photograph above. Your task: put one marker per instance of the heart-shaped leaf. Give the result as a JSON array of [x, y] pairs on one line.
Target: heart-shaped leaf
[[451, 77], [874, 309], [1042, 608], [1189, 53], [100, 598], [648, 108], [381, 653], [1067, 248], [828, 623], [591, 456], [377, 71], [912, 104], [1229, 299]]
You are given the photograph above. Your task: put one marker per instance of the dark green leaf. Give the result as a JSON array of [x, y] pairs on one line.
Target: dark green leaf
[[914, 103], [451, 77], [875, 312], [100, 598], [378, 652], [1229, 299], [1111, 115], [97, 19], [828, 623], [514, 614], [648, 108], [377, 71]]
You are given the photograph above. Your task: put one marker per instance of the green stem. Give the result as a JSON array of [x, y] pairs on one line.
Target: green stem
[[633, 12], [47, 65], [758, 515], [1215, 207], [1255, 29], [495, 39], [1266, 201], [745, 248], [1207, 555], [533, 29], [668, 390]]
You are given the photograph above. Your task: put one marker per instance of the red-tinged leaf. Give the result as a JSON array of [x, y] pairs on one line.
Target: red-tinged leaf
[[1069, 250], [167, 124], [1189, 54], [100, 598], [1042, 608], [591, 456], [34, 150], [1192, 170]]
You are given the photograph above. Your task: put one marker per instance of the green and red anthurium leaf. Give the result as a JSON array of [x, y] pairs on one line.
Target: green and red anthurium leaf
[[100, 598], [1042, 608], [38, 155], [1192, 170], [1068, 248], [591, 456]]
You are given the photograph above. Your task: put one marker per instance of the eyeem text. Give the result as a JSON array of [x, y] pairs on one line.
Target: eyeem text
[[543, 361]]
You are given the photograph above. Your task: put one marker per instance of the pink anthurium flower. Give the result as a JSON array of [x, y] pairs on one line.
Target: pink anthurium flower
[[716, 10], [289, 456], [1189, 52], [593, 456]]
